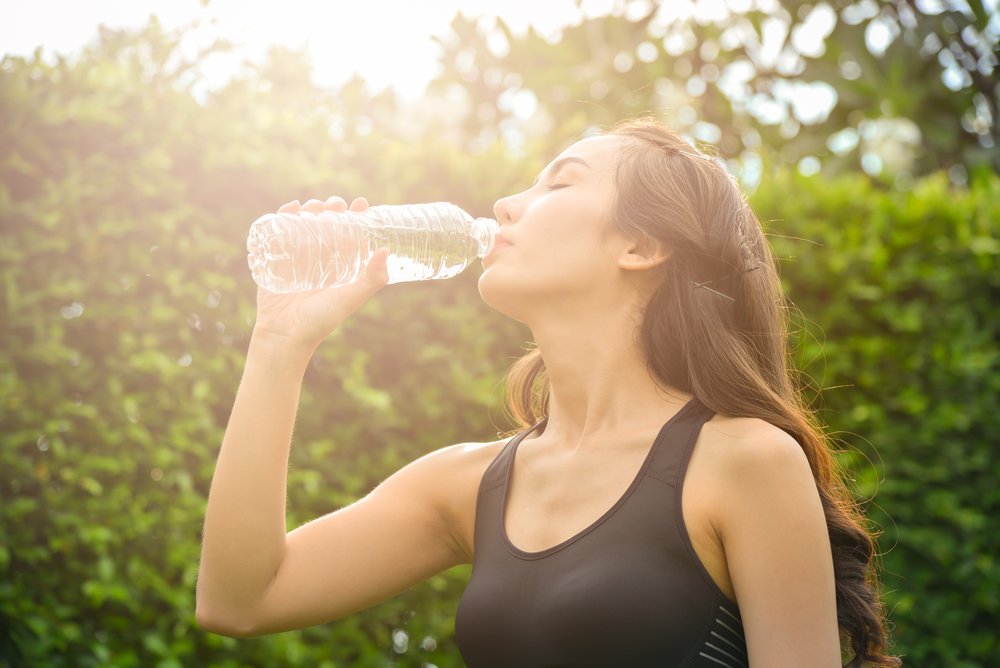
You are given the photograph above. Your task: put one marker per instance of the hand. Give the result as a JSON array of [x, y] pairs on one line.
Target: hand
[[306, 318]]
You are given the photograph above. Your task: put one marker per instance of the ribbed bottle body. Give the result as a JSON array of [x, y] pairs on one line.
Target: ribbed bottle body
[[307, 251], [425, 240]]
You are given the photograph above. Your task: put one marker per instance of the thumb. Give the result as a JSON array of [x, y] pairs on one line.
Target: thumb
[[374, 278], [377, 270]]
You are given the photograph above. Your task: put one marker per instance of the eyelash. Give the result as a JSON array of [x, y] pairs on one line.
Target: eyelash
[[554, 186]]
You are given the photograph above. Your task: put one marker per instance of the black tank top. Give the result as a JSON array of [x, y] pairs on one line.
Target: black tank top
[[628, 590]]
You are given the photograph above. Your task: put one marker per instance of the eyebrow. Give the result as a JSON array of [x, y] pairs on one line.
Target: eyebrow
[[561, 162]]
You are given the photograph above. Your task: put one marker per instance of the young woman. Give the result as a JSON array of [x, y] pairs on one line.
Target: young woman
[[668, 504]]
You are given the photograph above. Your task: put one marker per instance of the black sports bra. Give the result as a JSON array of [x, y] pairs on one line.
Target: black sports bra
[[628, 590]]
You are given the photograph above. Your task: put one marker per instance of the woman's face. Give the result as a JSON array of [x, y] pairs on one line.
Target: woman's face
[[563, 250]]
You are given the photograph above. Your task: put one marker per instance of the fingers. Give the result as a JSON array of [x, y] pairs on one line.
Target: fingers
[[333, 204], [336, 204]]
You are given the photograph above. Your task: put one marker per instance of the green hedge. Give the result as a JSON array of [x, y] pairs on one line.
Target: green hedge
[[900, 296], [124, 196], [125, 314]]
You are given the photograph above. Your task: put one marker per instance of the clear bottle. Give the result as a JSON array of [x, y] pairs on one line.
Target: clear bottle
[[306, 251]]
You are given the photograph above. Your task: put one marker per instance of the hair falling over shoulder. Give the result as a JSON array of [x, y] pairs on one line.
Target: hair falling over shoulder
[[716, 328]]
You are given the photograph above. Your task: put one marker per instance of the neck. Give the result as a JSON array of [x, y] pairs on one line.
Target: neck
[[598, 373]]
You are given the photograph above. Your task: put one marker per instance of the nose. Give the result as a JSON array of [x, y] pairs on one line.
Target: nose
[[506, 210]]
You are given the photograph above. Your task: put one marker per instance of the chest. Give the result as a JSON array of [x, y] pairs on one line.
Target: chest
[[590, 574], [553, 495]]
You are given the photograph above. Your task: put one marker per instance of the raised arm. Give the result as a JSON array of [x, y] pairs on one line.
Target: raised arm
[[254, 579]]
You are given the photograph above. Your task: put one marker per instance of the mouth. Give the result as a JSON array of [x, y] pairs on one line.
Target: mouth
[[498, 243]]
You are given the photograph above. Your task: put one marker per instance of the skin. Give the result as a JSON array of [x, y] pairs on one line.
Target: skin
[[749, 500]]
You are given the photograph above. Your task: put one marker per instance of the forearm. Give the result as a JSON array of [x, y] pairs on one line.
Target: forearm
[[244, 537]]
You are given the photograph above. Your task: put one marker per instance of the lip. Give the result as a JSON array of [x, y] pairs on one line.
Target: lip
[[500, 242]]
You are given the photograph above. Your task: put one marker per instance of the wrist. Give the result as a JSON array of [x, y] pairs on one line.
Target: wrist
[[279, 350]]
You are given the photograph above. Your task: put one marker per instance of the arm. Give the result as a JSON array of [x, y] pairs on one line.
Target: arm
[[253, 578], [772, 527]]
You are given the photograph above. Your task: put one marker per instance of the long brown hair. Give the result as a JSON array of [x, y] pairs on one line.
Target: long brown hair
[[716, 328]]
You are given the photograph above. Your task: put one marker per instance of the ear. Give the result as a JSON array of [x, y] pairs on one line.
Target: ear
[[638, 256]]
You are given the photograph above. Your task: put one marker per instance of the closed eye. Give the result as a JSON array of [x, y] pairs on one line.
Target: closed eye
[[558, 185]]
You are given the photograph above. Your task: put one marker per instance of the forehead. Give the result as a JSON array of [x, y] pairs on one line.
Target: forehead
[[599, 152]]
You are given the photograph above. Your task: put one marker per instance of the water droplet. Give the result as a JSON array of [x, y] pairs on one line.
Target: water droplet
[[250, 320], [220, 327], [185, 359], [74, 310], [101, 636], [194, 321], [958, 174], [62, 425], [74, 359], [429, 644], [76, 400], [124, 282], [399, 641], [214, 297], [156, 474], [42, 443]]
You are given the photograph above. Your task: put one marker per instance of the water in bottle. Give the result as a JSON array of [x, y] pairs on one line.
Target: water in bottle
[[306, 251]]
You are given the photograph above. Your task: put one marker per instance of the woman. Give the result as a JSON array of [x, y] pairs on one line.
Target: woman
[[669, 503]]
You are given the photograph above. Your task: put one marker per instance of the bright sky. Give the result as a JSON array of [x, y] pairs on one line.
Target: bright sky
[[386, 41]]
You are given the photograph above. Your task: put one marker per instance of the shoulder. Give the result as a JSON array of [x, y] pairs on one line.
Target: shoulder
[[461, 460], [449, 479], [752, 451], [451, 470], [747, 467]]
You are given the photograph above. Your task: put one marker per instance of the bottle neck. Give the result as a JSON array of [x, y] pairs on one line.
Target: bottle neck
[[485, 231]]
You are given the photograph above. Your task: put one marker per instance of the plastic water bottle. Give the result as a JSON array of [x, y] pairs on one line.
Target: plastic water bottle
[[305, 251]]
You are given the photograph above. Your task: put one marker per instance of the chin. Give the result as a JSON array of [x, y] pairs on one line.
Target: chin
[[504, 296]]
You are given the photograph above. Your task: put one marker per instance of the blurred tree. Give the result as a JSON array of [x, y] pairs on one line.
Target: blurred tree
[[895, 87], [126, 189]]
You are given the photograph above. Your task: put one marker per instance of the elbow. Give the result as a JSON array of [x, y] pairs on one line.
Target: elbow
[[211, 620]]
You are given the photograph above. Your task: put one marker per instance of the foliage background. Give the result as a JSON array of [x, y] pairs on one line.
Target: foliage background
[[126, 308]]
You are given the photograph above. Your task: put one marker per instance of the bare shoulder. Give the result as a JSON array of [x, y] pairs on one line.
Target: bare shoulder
[[752, 451], [452, 476], [743, 466], [461, 463]]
